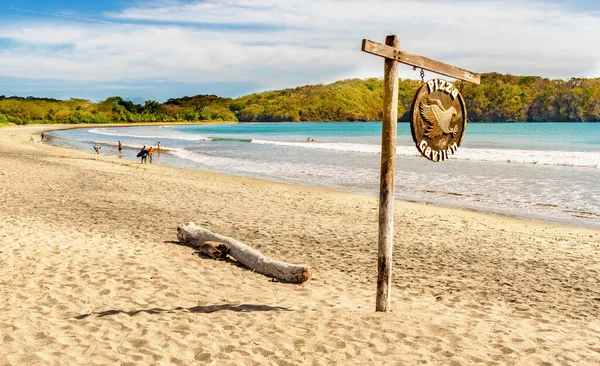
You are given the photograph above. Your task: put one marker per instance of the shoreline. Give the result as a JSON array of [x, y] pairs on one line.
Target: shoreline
[[441, 203], [91, 273]]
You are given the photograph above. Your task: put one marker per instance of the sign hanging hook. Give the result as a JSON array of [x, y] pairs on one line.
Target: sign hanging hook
[[422, 74]]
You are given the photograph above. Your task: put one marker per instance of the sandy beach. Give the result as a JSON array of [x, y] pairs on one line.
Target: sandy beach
[[91, 273]]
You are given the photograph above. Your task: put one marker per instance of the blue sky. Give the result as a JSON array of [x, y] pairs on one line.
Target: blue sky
[[159, 49]]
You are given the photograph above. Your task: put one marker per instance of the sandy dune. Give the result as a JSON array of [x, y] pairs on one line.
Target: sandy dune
[[90, 273]]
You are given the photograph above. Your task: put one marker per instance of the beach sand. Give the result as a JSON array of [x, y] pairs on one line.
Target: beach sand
[[91, 274]]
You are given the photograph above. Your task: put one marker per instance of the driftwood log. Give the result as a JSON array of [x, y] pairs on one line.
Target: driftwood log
[[196, 236]]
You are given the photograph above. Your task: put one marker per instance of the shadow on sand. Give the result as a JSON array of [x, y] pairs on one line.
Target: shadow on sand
[[206, 309]]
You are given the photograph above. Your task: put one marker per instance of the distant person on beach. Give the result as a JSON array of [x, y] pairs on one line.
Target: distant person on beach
[[97, 148], [158, 147], [308, 139], [151, 153], [143, 154], [120, 149], [42, 139], [31, 139]]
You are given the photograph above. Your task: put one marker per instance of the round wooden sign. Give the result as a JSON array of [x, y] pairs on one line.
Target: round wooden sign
[[438, 118]]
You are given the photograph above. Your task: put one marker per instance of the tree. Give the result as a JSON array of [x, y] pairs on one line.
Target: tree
[[153, 107]]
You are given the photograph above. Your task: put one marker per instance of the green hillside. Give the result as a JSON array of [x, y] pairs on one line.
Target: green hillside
[[499, 98]]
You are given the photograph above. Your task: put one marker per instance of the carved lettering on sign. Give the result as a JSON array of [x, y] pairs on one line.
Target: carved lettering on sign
[[442, 85], [437, 155]]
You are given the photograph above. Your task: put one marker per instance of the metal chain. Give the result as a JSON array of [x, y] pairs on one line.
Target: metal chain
[[422, 74]]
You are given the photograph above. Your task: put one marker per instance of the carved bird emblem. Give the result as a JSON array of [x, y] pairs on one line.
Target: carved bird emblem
[[437, 118]]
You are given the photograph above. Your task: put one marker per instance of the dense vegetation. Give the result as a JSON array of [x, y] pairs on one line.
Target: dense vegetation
[[498, 98]]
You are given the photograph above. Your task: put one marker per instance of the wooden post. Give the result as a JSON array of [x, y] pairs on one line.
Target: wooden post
[[392, 55], [386, 183]]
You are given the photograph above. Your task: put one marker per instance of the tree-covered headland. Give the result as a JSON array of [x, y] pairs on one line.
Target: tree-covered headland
[[499, 98]]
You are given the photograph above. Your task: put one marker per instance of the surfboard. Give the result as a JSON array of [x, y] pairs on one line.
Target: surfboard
[[142, 153]]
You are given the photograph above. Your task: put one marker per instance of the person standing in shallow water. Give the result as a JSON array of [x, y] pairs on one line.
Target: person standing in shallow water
[[143, 154], [120, 149], [151, 153]]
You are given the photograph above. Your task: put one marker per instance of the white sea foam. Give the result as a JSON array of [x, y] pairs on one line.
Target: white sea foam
[[317, 174], [343, 147], [561, 158], [204, 159], [167, 135], [236, 164]]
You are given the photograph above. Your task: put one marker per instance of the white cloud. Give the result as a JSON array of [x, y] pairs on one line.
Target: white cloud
[[289, 43]]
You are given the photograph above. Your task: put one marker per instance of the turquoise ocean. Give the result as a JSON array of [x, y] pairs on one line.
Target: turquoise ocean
[[542, 171]]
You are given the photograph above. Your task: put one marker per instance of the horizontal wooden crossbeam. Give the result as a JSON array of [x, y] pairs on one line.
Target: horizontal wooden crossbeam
[[419, 61]]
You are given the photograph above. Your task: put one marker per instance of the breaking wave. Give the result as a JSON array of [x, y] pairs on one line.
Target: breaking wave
[[169, 135], [557, 158]]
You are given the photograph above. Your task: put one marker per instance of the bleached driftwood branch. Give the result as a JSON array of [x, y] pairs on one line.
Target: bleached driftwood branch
[[195, 236]]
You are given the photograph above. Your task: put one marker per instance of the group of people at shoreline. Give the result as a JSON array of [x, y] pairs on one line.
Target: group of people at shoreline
[[147, 152], [143, 154]]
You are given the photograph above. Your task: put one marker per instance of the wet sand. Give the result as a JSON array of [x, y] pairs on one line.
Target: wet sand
[[90, 273]]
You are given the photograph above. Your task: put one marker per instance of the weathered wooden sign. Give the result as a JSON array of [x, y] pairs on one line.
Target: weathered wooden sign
[[438, 118], [430, 133]]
